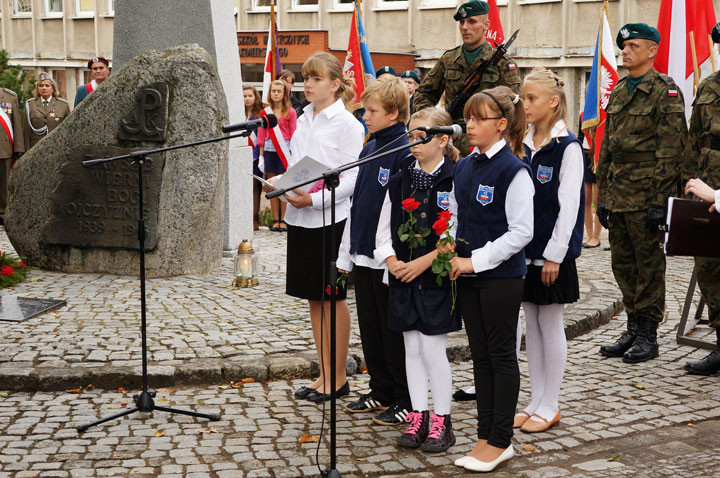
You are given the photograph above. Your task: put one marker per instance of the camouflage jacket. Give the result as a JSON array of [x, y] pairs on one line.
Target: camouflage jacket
[[645, 135], [449, 74], [703, 150]]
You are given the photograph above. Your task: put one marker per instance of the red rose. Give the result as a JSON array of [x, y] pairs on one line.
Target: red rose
[[22, 264], [440, 226], [445, 215], [6, 270], [410, 204], [328, 290]]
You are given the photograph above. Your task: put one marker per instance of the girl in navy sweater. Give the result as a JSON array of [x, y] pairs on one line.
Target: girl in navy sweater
[[494, 193], [555, 157]]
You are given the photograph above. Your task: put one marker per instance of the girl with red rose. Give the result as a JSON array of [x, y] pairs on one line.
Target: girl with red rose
[[419, 307]]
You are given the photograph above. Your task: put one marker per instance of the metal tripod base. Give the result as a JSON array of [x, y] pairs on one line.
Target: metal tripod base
[[145, 404], [331, 474]]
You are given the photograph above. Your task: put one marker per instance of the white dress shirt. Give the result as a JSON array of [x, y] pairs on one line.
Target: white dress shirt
[[571, 177], [347, 261], [334, 137], [519, 214]]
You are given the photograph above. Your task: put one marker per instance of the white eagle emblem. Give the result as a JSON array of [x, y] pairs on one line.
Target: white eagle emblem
[[625, 33], [463, 13]]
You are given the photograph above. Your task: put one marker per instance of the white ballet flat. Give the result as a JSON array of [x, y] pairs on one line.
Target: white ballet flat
[[461, 461], [473, 464]]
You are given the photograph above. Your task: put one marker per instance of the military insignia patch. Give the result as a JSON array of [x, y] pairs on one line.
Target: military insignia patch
[[485, 194], [544, 174], [463, 13], [443, 200], [672, 93], [383, 176], [624, 33], [512, 66]]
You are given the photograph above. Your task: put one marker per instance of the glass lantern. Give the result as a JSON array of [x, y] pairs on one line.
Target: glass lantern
[[245, 266]]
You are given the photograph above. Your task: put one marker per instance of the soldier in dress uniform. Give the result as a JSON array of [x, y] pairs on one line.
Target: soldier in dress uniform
[[703, 157], [99, 67], [12, 141], [454, 66], [638, 169], [44, 112]]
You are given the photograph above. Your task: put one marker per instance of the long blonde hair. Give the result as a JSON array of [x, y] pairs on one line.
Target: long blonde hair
[[437, 117], [501, 101], [326, 65], [552, 83]]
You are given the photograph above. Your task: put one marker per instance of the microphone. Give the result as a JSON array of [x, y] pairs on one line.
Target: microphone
[[265, 121], [454, 131]]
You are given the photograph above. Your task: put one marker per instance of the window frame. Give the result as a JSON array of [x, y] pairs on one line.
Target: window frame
[[392, 5], [110, 6], [49, 14], [255, 8], [296, 7], [18, 14], [342, 7], [85, 13]]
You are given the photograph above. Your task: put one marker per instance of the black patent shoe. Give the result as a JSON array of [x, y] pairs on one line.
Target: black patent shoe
[[705, 366], [303, 392], [620, 346], [318, 397]]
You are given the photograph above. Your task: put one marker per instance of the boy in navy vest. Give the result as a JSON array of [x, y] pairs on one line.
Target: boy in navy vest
[[386, 112]]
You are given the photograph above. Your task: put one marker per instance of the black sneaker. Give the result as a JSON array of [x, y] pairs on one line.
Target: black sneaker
[[441, 436], [418, 430], [365, 404], [394, 415]]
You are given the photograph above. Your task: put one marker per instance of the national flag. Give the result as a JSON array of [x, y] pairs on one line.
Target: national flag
[[603, 78], [357, 60], [268, 76], [494, 34]]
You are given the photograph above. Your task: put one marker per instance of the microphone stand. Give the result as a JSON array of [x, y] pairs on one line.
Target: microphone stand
[[331, 180], [144, 402]]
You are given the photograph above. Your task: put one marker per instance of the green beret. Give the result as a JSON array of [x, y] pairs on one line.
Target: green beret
[[386, 69], [470, 9], [411, 74], [637, 30]]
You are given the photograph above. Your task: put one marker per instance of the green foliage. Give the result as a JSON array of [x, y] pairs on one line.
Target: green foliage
[[266, 217], [13, 77], [12, 270]]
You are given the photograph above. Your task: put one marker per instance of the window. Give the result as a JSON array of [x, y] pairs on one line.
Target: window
[[392, 4], [344, 5], [85, 8], [53, 8], [260, 5], [304, 4], [22, 7], [111, 7]]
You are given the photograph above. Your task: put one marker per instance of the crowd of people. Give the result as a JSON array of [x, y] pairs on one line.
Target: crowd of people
[[469, 230]]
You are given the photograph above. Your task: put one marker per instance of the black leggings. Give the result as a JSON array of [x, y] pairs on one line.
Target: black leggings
[[490, 308]]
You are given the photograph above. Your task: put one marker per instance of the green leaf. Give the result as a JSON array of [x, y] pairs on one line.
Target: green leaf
[[615, 458], [404, 237], [448, 266], [460, 239], [421, 241], [438, 280], [425, 232]]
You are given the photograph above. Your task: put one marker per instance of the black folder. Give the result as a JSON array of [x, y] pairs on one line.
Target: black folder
[[692, 229]]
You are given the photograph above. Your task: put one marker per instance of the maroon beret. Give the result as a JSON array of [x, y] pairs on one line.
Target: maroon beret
[[97, 59]]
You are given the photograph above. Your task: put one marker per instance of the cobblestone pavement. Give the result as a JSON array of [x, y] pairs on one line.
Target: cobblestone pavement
[[199, 328], [642, 420]]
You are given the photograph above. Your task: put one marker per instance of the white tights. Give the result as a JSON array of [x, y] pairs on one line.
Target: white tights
[[425, 358], [546, 349], [517, 351]]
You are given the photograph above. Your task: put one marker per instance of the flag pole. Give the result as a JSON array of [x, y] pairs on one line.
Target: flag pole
[[696, 68], [712, 53], [271, 40], [359, 6]]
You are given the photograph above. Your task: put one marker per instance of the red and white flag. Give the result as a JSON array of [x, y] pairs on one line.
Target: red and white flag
[[495, 34], [6, 124], [268, 71], [281, 147]]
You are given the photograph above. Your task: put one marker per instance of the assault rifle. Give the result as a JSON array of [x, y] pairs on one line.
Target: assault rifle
[[475, 77]]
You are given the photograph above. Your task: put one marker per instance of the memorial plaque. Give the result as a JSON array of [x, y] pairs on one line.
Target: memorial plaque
[[97, 206], [148, 119], [17, 309]]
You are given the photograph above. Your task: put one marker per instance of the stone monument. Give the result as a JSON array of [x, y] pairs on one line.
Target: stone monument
[[62, 215], [142, 25]]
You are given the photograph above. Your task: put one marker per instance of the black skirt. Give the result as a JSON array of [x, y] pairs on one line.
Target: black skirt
[[565, 289], [305, 262], [426, 310]]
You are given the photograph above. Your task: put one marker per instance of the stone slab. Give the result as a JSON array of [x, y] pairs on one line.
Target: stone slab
[[17, 309]]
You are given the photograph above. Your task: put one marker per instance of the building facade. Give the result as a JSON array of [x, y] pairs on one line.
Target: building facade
[[59, 36]]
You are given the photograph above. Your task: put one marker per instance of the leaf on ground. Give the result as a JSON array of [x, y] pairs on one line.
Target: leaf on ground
[[56, 330], [3, 394], [361, 459], [35, 278], [159, 433], [639, 386], [161, 399], [308, 438], [248, 380], [690, 425], [120, 390], [614, 317], [209, 431], [363, 370], [74, 390], [55, 315], [615, 458], [223, 387], [90, 387], [121, 403], [164, 390], [527, 447]]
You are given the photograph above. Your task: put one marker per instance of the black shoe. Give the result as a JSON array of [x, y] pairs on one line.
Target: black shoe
[[365, 404], [645, 346], [441, 436], [303, 392], [394, 415], [462, 396], [318, 397], [418, 430], [705, 366], [625, 341]]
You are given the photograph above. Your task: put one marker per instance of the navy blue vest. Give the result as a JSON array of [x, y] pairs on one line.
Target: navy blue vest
[[370, 187], [431, 203], [545, 166], [480, 190]]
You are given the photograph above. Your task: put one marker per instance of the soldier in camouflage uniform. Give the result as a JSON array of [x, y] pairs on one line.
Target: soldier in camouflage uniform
[[449, 73], [638, 169], [703, 160]]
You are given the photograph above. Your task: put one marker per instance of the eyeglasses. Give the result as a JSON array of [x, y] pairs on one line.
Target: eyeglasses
[[478, 120], [416, 137]]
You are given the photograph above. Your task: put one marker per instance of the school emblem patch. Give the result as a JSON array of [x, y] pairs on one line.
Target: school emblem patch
[[485, 194], [383, 176], [544, 174], [443, 200]]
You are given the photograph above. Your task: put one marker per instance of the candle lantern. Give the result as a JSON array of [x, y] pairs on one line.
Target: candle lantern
[[245, 266]]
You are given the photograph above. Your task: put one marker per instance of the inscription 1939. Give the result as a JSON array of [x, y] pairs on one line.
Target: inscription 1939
[[97, 206]]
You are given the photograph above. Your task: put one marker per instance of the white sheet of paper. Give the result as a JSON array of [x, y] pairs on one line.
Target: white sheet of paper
[[303, 170]]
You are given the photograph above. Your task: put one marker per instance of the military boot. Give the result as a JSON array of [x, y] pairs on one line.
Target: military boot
[[625, 341], [708, 365], [645, 346]]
